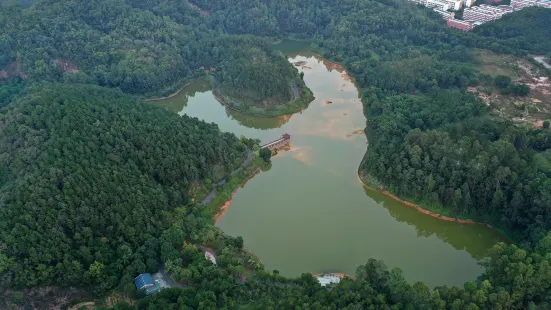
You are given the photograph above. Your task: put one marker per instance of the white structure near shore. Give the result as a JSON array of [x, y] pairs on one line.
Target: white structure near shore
[[326, 279]]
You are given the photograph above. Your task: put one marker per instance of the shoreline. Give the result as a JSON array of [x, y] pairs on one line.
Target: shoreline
[[421, 209], [170, 96], [221, 101], [224, 208]]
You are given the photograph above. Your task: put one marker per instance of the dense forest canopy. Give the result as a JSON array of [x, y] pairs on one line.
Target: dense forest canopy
[[88, 172], [454, 154], [94, 183], [112, 44]]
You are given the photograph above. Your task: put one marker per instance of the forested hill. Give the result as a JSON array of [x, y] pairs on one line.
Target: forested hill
[[112, 44], [86, 174], [94, 184]]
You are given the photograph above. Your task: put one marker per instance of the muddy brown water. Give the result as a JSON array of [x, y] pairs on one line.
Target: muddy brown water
[[310, 212]]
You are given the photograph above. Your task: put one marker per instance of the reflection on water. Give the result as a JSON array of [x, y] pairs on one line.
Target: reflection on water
[[197, 91], [455, 235], [310, 213]]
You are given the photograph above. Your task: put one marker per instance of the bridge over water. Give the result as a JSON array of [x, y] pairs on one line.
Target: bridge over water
[[284, 140]]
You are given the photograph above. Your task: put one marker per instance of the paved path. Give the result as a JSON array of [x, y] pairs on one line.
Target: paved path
[[295, 88], [542, 61], [211, 195], [165, 281]]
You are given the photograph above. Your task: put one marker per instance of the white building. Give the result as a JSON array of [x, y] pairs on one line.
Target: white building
[[544, 4], [444, 14], [327, 279], [485, 13], [521, 4], [443, 5], [468, 3]]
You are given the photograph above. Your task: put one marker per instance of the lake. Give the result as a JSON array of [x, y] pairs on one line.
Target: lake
[[310, 212]]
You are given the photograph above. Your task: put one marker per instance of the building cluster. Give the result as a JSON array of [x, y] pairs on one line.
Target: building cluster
[[445, 5], [486, 13], [521, 4], [476, 15]]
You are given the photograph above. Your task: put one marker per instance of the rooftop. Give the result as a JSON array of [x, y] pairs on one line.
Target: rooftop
[[143, 281]]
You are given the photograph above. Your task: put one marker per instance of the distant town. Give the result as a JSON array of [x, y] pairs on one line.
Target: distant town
[[479, 14]]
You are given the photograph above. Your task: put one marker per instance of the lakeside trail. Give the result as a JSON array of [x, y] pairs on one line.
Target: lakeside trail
[[211, 195], [169, 96], [220, 214]]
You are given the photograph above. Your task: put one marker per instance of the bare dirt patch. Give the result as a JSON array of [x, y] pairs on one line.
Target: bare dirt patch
[[201, 11], [13, 69], [45, 297], [66, 65], [83, 305], [532, 109]]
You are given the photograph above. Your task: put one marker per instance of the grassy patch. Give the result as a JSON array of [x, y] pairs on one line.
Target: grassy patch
[[224, 192], [496, 64], [532, 109]]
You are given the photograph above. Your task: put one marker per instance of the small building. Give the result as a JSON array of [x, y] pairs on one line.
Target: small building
[[210, 257], [327, 279], [144, 283], [284, 140], [468, 3], [461, 25]]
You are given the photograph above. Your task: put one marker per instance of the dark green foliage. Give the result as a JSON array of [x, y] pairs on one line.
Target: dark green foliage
[[89, 173], [546, 125], [252, 72], [502, 81], [109, 43], [515, 279], [16, 298], [519, 89], [93, 184], [239, 242], [266, 154], [441, 149], [525, 31]]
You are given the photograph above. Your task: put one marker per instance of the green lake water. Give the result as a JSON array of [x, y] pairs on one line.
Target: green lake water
[[310, 212]]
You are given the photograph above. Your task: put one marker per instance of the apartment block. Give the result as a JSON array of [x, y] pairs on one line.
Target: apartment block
[[443, 5], [468, 3], [485, 13], [460, 24], [521, 4], [445, 14], [544, 4]]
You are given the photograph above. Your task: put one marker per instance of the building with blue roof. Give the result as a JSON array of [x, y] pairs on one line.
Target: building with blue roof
[[144, 283]]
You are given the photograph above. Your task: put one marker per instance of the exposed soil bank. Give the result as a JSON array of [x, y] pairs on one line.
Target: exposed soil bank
[[220, 214], [424, 211], [170, 96]]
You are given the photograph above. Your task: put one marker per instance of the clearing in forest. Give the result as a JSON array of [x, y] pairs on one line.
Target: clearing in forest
[[532, 109]]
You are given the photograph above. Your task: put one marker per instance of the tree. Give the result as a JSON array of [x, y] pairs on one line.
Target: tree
[[502, 81], [546, 124], [239, 242], [265, 154], [520, 90]]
